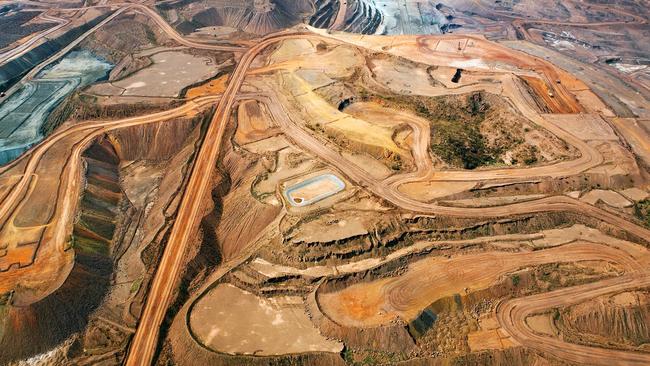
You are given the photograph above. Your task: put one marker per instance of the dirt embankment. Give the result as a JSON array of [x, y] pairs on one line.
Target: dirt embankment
[[388, 232], [120, 39], [152, 178], [35, 328], [221, 238], [130, 196], [83, 107], [152, 141], [620, 321]]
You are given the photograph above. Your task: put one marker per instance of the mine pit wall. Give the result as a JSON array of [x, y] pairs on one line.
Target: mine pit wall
[[325, 13], [38, 327], [12, 71], [154, 141], [395, 234], [402, 336], [81, 107], [622, 326], [363, 17], [543, 185], [98, 239]]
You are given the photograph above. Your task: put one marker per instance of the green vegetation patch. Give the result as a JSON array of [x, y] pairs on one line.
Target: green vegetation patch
[[455, 132], [90, 246], [642, 211], [458, 128]]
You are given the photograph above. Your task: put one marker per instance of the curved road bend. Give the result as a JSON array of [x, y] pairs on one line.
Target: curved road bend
[[512, 315], [35, 154], [171, 32], [356, 174], [23, 48], [144, 343]]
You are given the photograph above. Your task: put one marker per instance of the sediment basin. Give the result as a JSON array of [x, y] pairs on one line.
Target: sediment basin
[[314, 189]]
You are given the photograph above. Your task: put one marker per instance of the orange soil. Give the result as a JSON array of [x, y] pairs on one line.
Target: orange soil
[[480, 48], [381, 301], [216, 86], [556, 103]]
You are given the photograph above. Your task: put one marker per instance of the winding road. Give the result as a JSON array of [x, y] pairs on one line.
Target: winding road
[[29, 44], [512, 314]]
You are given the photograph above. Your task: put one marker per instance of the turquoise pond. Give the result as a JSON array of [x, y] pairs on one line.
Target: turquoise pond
[[23, 113]]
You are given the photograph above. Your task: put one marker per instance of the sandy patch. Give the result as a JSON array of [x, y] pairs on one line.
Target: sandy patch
[[228, 319], [428, 191], [543, 324], [610, 198]]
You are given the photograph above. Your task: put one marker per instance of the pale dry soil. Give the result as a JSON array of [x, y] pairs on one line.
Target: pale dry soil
[[228, 319]]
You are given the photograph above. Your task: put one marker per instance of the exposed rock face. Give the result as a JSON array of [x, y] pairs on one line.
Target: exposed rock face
[[362, 16], [123, 214], [267, 16], [325, 13], [119, 39], [156, 141], [35, 328], [256, 17], [622, 319]]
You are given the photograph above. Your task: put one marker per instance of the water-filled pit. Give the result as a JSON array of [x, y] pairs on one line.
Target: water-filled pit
[[314, 189]]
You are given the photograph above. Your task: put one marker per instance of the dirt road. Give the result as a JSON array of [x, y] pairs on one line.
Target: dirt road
[[25, 47], [356, 174], [171, 32], [377, 303], [339, 21], [144, 343], [512, 316]]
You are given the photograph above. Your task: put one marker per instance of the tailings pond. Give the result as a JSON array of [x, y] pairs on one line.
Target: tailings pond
[[24, 112], [314, 189]]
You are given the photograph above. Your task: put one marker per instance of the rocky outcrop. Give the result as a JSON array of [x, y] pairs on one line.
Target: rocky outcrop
[[362, 16], [325, 13], [256, 17]]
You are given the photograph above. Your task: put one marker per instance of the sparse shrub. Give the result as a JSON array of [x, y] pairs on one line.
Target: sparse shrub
[[642, 211], [515, 279]]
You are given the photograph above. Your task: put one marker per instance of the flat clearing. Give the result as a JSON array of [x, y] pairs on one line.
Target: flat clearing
[[542, 323], [230, 320], [584, 126], [170, 73], [609, 197]]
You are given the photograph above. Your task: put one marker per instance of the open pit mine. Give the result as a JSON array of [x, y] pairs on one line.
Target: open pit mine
[[325, 182]]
